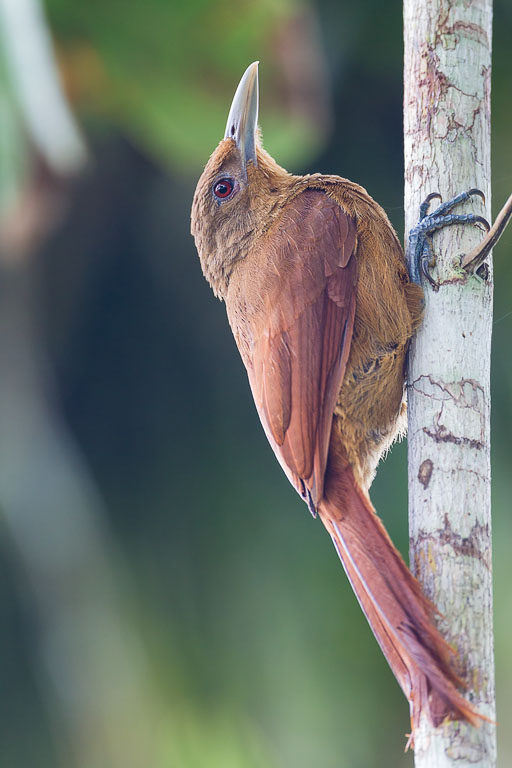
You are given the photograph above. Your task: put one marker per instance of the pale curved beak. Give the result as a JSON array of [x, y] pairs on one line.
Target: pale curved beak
[[243, 115]]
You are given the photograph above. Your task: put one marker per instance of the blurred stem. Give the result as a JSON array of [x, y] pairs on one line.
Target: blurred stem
[[33, 71], [12, 143], [90, 666], [92, 670]]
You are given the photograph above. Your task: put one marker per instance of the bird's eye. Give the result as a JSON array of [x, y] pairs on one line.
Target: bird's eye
[[223, 188]]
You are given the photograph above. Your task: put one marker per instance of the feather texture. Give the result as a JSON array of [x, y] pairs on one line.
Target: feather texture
[[299, 314], [322, 310]]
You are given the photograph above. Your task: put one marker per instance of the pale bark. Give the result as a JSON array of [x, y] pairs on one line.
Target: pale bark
[[447, 150]]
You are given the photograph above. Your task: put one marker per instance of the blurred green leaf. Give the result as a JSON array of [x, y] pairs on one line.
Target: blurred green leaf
[[166, 71]]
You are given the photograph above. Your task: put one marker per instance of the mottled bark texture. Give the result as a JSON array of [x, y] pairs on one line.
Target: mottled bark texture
[[447, 150]]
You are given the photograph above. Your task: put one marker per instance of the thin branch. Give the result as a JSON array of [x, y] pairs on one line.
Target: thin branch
[[472, 260]]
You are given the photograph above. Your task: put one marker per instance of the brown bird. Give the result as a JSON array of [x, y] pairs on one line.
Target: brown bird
[[322, 309]]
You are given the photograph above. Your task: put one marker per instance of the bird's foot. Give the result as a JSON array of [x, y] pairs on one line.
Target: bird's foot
[[420, 237]]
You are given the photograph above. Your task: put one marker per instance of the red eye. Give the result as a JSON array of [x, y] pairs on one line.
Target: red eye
[[223, 188]]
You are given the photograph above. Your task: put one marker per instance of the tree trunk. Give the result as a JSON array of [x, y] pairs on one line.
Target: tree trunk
[[447, 150]]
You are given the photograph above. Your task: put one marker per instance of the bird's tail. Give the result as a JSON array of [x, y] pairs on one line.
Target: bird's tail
[[399, 614]]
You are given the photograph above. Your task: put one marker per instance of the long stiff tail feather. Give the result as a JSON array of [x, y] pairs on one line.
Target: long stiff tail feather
[[400, 616]]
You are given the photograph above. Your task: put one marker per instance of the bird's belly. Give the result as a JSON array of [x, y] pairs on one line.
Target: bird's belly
[[370, 409]]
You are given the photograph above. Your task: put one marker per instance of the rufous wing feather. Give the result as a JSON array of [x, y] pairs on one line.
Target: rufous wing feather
[[301, 340], [297, 323]]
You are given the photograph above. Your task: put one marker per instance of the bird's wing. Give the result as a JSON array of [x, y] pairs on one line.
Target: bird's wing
[[301, 334]]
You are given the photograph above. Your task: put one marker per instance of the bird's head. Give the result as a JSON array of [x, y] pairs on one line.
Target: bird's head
[[240, 191]]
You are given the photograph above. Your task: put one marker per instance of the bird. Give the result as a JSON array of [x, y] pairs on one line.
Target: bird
[[322, 309]]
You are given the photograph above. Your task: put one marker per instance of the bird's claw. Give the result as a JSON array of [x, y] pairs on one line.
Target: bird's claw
[[476, 191], [481, 220], [426, 203], [428, 260], [421, 255]]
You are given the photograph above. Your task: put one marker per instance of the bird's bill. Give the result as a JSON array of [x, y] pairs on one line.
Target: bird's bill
[[243, 115]]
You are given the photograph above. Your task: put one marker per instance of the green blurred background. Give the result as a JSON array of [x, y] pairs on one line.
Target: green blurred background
[[166, 599]]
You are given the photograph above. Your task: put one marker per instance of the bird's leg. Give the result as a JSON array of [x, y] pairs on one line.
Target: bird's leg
[[419, 247]]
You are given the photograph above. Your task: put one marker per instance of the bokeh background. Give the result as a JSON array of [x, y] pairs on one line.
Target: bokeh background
[[166, 599]]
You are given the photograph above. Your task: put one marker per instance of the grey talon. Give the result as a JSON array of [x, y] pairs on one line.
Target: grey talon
[[421, 257], [476, 191]]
